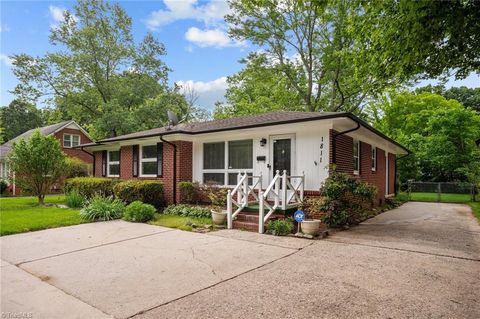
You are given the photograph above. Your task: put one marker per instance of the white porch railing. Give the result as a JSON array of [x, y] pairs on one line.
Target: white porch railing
[[284, 191], [243, 191]]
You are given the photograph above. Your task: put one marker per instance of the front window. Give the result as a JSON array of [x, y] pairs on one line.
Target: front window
[[148, 159], [223, 160], [114, 163], [374, 158], [3, 170], [356, 157], [71, 140]]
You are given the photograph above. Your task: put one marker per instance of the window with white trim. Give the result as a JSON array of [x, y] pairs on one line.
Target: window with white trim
[[3, 170], [374, 158], [238, 155], [148, 161], [356, 157], [113, 164], [71, 140]]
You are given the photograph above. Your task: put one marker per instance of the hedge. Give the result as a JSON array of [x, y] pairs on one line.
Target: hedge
[[90, 186], [149, 192]]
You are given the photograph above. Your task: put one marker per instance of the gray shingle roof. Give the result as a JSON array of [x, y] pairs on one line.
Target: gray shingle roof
[[263, 119], [46, 130]]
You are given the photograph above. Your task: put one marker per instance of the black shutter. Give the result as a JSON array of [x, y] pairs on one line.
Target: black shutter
[[135, 161], [104, 163], [159, 159], [359, 158], [120, 163]]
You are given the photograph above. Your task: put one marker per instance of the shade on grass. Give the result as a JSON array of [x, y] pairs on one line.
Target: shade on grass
[[18, 215], [433, 197], [179, 222], [476, 209]]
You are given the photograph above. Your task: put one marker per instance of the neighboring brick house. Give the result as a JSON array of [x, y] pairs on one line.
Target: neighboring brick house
[[70, 135], [215, 151]]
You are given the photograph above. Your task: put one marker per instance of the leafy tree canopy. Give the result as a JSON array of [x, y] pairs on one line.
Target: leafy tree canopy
[[18, 117], [100, 77], [440, 133], [38, 163], [469, 97]]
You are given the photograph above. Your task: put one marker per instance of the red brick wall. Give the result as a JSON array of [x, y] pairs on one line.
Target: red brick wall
[[184, 166], [344, 164], [75, 152], [391, 173]]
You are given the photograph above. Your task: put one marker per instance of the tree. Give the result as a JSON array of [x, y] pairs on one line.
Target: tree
[[259, 87], [19, 117], [469, 97], [440, 133], [404, 39], [37, 163], [100, 73], [311, 47]]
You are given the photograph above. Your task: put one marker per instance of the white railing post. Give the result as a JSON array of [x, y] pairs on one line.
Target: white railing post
[[239, 191], [302, 188], [277, 188], [261, 213], [245, 189], [229, 210], [260, 183], [284, 190]]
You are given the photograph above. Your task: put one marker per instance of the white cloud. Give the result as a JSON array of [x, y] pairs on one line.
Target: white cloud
[[57, 14], [209, 92], [210, 13], [210, 38], [7, 61]]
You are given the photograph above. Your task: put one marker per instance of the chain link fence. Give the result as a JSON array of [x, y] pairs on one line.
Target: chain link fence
[[454, 192]]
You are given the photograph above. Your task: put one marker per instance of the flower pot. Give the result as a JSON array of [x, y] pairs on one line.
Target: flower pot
[[219, 218], [311, 227]]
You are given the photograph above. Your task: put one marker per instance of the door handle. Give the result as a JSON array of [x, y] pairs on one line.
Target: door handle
[[269, 166]]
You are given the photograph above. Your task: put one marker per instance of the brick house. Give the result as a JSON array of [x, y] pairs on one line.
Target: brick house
[[259, 145], [70, 135]]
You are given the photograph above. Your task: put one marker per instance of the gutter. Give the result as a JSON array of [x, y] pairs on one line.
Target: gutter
[[174, 168], [334, 141]]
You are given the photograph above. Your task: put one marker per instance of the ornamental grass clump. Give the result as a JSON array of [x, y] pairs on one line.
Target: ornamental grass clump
[[74, 199], [102, 208], [139, 212]]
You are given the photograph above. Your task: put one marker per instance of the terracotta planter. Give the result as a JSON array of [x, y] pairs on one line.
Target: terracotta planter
[[219, 218], [311, 227]]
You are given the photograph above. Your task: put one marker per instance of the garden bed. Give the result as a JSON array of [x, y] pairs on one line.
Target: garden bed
[[200, 224]]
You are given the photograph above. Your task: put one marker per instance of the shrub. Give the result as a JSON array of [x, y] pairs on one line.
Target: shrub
[[90, 186], [313, 207], [280, 227], [187, 211], [139, 212], [102, 208], [74, 199], [216, 195], [3, 186], [187, 192], [149, 192], [346, 199], [75, 167]]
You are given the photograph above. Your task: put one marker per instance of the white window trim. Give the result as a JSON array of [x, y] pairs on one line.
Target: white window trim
[[374, 158], [357, 156], [227, 170], [112, 162], [146, 160], [71, 140]]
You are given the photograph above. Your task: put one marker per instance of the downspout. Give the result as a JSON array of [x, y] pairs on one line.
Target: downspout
[[174, 168], [93, 156], [334, 141], [395, 188]]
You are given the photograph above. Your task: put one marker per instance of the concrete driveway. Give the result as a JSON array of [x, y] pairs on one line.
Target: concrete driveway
[[420, 260]]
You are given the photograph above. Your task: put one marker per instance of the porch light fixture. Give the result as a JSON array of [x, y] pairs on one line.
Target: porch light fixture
[[263, 142]]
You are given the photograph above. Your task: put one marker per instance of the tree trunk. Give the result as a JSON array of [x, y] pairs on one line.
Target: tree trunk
[[41, 200]]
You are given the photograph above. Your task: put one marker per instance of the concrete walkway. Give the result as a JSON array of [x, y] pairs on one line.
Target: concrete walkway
[[420, 260]]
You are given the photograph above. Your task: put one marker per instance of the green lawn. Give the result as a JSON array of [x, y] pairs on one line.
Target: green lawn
[[179, 222], [19, 215], [433, 197], [476, 209]]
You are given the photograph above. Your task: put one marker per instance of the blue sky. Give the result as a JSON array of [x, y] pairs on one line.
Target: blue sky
[[194, 33]]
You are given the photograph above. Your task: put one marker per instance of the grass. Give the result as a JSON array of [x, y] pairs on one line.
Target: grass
[[22, 214], [179, 222], [475, 209], [433, 197]]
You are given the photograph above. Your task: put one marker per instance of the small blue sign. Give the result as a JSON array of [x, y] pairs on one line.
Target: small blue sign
[[299, 216]]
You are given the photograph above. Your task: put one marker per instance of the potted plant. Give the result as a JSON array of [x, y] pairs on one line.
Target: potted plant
[[218, 198], [219, 217], [311, 226]]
